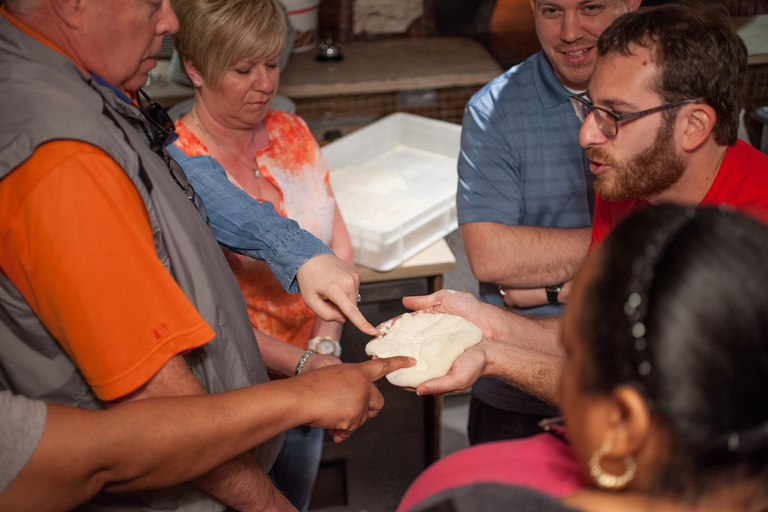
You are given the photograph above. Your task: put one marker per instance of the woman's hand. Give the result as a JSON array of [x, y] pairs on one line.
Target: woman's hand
[[329, 287]]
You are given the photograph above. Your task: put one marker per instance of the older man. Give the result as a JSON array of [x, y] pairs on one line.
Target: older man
[[660, 120], [113, 288], [525, 191]]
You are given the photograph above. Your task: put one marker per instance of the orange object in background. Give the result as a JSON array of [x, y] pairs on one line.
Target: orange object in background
[[512, 32]]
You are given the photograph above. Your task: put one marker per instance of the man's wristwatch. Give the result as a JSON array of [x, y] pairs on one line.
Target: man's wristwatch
[[325, 345], [552, 293]]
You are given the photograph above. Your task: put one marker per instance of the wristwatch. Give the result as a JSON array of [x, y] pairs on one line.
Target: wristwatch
[[325, 345], [552, 293]]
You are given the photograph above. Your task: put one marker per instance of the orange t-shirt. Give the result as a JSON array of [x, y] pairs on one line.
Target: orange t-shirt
[[294, 164], [78, 246]]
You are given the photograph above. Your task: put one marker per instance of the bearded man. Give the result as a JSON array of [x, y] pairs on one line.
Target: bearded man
[[677, 101]]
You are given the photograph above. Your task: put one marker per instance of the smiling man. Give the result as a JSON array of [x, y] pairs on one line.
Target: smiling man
[[525, 191]]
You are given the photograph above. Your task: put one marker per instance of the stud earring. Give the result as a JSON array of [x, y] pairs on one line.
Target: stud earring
[[197, 83]]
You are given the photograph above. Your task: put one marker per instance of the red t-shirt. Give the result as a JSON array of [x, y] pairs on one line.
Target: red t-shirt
[[741, 182]]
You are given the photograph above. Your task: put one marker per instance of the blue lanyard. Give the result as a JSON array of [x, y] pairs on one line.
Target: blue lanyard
[[120, 94]]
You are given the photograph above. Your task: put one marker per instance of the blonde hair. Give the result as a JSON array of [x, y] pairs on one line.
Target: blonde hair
[[215, 34]]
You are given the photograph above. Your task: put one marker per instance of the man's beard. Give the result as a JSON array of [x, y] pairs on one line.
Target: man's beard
[[646, 174]]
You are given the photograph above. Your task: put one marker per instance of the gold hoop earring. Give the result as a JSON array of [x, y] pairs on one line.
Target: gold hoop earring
[[608, 481]]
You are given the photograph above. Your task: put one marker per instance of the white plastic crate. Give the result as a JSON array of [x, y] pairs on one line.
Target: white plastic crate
[[395, 184]]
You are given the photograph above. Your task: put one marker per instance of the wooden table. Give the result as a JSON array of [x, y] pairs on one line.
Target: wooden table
[[435, 260]]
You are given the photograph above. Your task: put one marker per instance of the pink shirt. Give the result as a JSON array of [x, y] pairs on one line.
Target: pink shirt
[[542, 462]]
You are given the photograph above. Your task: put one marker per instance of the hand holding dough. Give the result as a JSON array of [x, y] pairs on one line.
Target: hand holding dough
[[435, 341]]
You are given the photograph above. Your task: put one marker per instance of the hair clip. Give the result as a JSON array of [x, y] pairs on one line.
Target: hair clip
[[643, 273]]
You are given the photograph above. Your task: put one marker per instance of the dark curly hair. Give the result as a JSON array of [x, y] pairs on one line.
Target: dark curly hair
[[699, 54]]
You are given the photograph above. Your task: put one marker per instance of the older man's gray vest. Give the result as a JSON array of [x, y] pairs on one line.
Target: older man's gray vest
[[44, 97]]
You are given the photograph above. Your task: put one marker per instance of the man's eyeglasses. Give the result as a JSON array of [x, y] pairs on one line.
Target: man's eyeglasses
[[162, 128], [608, 121]]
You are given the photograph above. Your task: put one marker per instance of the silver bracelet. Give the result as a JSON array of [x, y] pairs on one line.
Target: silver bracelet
[[302, 362]]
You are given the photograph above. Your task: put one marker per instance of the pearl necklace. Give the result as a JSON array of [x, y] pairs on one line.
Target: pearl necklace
[[253, 166]]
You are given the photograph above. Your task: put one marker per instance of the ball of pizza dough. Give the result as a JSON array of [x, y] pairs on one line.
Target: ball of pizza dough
[[435, 341]]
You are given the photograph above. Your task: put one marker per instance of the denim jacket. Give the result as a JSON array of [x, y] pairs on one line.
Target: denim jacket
[[246, 226]]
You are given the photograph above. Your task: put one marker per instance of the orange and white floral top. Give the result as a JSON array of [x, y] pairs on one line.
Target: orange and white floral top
[[295, 165]]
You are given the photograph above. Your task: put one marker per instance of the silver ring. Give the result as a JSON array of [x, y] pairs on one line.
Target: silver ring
[[359, 298], [501, 291]]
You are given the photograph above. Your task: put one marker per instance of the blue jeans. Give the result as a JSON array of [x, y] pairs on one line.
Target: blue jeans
[[296, 467]]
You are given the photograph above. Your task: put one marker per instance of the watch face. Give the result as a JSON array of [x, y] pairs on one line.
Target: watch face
[[326, 347]]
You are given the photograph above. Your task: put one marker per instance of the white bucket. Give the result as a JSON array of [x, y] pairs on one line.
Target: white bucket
[[303, 14]]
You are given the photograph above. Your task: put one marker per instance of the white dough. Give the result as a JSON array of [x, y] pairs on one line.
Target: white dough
[[435, 341]]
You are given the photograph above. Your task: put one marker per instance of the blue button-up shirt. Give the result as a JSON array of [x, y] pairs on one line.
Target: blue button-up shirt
[[520, 160], [521, 164]]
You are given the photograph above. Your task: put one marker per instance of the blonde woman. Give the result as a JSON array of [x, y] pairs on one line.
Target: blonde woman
[[230, 51]]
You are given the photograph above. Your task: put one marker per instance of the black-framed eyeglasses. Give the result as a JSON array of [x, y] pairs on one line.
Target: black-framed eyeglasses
[[608, 121], [177, 173], [162, 127]]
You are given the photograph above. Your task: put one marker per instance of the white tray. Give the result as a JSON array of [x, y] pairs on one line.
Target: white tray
[[395, 184]]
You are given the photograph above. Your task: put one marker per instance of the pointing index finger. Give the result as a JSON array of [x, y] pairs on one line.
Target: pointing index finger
[[378, 368], [349, 309], [357, 318]]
